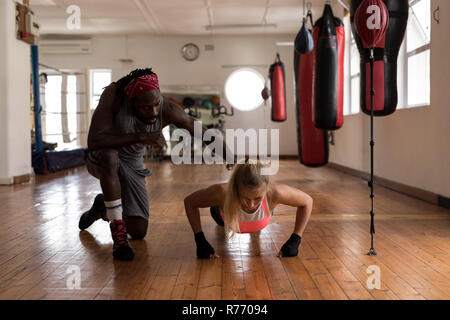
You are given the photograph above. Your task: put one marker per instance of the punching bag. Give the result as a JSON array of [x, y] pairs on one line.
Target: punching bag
[[329, 50], [313, 149], [304, 42], [385, 53], [278, 90]]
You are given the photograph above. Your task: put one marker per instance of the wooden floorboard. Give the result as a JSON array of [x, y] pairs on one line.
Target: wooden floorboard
[[40, 243]]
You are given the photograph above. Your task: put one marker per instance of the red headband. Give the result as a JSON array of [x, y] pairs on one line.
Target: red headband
[[141, 85]]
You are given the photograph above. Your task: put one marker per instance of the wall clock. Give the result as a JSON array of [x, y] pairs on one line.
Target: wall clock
[[190, 52]]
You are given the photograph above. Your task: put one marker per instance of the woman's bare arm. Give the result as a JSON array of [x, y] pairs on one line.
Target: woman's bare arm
[[284, 194], [203, 198]]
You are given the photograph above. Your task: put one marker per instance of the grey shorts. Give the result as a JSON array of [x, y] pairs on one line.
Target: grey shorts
[[133, 188]]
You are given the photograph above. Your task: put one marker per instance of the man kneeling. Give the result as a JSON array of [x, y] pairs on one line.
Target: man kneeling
[[130, 115]]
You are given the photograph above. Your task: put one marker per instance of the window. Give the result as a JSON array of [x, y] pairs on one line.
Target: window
[[352, 73], [72, 114], [52, 111], [60, 126], [99, 80], [418, 53], [355, 75], [243, 89]]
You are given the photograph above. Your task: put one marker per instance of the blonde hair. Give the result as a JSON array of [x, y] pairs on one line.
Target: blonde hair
[[244, 175]]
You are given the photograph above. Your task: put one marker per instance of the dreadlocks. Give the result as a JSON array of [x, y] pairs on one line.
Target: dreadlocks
[[122, 82]]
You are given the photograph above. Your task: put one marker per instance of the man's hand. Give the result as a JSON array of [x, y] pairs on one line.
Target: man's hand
[[154, 139]]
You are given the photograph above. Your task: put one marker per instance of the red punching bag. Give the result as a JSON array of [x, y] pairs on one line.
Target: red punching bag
[[329, 50], [278, 90], [371, 22], [381, 24], [313, 149]]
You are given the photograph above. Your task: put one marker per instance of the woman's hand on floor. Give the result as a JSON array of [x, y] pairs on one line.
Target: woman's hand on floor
[[204, 249], [290, 248]]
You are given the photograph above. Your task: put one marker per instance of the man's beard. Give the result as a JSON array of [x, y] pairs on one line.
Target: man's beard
[[146, 121]]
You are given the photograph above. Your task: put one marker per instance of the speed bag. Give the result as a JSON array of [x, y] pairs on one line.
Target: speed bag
[[304, 42], [329, 50], [313, 147], [385, 66], [278, 91]]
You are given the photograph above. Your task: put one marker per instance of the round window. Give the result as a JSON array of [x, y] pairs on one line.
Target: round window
[[243, 89]]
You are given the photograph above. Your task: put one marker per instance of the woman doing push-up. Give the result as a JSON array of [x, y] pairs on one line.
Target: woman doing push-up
[[245, 205]]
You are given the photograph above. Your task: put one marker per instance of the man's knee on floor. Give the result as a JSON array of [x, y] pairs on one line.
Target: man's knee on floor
[[137, 234], [136, 227]]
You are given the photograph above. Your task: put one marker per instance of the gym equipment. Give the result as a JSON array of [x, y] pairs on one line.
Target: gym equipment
[[265, 94], [304, 42], [193, 111], [313, 149], [278, 89], [207, 104], [215, 100], [188, 102], [371, 21], [198, 102], [385, 54], [217, 111], [329, 41], [59, 160]]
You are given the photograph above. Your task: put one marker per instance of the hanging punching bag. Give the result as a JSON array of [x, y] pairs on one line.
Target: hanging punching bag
[[304, 42], [313, 147], [278, 90], [385, 53], [328, 103]]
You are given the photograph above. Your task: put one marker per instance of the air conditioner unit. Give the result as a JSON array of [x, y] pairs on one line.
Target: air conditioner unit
[[65, 46]]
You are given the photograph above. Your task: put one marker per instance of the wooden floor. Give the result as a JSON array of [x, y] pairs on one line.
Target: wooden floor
[[40, 243]]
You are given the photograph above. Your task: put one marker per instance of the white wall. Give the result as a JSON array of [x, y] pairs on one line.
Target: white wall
[[412, 145], [163, 55], [15, 123]]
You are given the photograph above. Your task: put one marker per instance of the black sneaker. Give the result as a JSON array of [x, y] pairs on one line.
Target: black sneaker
[[97, 211], [215, 214], [121, 249]]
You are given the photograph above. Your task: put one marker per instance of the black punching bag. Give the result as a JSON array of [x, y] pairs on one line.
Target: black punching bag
[[386, 54], [328, 105]]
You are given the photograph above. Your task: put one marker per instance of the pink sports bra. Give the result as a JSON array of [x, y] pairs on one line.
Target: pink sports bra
[[256, 221]]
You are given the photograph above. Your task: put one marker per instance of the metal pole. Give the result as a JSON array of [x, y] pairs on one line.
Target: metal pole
[[372, 251], [36, 97]]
